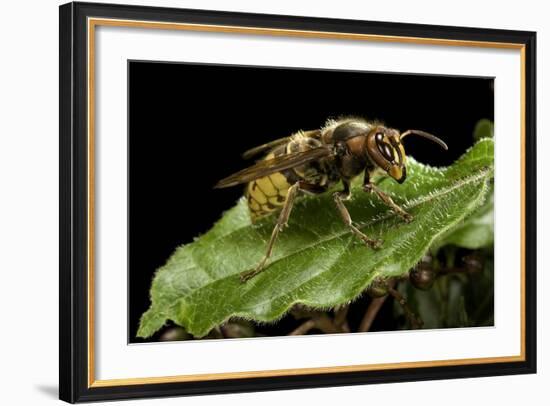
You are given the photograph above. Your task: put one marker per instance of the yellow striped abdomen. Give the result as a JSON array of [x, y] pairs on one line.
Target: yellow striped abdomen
[[266, 195]]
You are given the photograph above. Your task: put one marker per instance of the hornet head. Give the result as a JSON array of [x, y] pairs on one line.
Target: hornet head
[[385, 149]]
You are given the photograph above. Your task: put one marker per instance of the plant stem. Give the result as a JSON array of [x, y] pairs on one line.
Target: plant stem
[[303, 328], [414, 320], [320, 321], [340, 319], [373, 309]]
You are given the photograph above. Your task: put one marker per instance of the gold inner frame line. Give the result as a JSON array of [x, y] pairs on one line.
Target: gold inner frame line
[[94, 22]]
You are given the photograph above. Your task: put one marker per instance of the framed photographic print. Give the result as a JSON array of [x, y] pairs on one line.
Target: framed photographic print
[[254, 202]]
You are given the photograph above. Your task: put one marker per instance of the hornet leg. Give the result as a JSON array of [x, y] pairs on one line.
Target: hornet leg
[[339, 198], [281, 224], [369, 187]]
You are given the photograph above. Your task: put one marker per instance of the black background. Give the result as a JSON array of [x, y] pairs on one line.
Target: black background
[[188, 125]]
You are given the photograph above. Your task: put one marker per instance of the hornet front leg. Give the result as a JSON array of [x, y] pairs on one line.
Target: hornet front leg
[[388, 201]]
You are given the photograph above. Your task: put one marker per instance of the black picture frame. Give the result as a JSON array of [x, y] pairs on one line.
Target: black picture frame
[[74, 200]]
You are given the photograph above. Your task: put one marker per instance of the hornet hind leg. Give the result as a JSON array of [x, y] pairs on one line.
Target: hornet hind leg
[[282, 222]]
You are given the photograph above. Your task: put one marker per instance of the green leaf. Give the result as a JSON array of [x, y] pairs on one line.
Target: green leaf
[[316, 261], [476, 232], [484, 129]]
